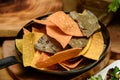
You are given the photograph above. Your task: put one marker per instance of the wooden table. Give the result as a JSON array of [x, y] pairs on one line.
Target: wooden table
[[12, 30]]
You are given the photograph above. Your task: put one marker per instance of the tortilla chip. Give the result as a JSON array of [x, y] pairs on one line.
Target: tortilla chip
[[35, 58], [65, 23], [70, 65], [56, 33], [96, 47], [28, 48], [58, 57], [19, 44], [25, 31], [44, 22], [40, 29], [39, 56], [86, 47], [37, 36]]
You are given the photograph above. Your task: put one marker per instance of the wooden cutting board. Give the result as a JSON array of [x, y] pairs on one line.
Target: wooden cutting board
[[14, 14]]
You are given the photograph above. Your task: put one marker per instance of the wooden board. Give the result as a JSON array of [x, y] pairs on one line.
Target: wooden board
[[14, 14]]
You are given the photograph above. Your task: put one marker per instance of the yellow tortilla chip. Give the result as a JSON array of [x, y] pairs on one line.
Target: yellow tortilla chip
[[28, 48], [86, 47], [37, 36], [19, 44], [35, 58], [58, 57], [96, 47]]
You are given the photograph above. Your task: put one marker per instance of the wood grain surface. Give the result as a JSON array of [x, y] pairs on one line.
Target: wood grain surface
[[14, 14]]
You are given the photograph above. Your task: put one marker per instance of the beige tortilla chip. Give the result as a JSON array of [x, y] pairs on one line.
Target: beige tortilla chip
[[58, 57], [65, 23], [96, 47], [28, 48]]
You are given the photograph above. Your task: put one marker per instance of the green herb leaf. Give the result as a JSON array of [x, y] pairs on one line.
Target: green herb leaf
[[114, 6]]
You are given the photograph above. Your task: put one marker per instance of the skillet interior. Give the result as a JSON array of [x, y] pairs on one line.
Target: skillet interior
[[74, 71]]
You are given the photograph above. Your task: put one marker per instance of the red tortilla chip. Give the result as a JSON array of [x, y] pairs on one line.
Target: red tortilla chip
[[59, 57], [65, 23]]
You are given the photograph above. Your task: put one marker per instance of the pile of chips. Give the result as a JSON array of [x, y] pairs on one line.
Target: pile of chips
[[61, 41]]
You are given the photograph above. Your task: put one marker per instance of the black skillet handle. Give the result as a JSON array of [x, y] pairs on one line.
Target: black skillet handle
[[8, 61]]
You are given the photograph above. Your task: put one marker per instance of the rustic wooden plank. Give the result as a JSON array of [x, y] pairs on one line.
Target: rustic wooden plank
[[16, 13]]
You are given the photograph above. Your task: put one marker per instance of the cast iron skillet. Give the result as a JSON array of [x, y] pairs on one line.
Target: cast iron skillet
[[5, 62]]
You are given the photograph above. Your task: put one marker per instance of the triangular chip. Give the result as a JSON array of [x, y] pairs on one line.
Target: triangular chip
[[40, 29], [59, 57], [39, 56], [44, 22], [48, 44], [56, 33], [28, 48], [87, 21], [96, 47], [35, 58], [71, 65], [86, 47], [65, 23]]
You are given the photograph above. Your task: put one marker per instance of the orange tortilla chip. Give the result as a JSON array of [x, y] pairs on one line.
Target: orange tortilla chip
[[65, 23], [36, 57], [25, 31], [56, 33], [71, 65], [44, 22], [96, 47], [40, 29], [58, 57], [39, 56]]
